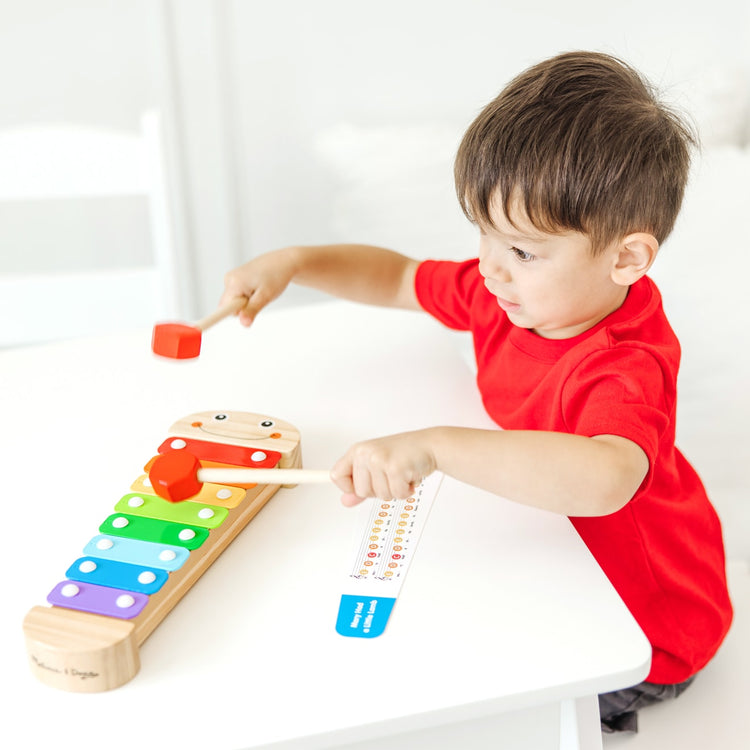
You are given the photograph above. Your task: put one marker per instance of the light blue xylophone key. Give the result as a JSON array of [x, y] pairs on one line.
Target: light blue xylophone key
[[165, 556]]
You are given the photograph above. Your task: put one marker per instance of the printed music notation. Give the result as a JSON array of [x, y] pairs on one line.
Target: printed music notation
[[389, 537], [385, 546]]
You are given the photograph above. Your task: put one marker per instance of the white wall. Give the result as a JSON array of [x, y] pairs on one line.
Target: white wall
[[320, 86], [284, 107], [81, 62]]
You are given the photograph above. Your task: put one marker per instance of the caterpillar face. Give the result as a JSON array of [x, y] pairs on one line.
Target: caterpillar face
[[238, 428]]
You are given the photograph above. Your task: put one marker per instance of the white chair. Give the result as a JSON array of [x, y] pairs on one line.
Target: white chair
[[71, 163]]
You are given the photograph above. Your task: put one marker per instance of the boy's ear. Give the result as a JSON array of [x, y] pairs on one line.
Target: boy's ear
[[635, 254]]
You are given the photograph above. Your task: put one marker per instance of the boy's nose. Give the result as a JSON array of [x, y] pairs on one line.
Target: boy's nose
[[491, 268]]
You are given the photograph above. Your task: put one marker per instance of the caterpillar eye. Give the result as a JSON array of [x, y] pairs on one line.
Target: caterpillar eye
[[266, 423], [220, 417]]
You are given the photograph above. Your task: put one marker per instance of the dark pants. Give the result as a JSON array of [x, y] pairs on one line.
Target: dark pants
[[618, 710]]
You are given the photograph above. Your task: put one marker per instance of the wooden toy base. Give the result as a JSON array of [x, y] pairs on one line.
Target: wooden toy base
[[79, 651]]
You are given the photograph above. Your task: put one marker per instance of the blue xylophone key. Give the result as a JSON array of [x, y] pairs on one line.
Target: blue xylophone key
[[117, 575], [137, 552]]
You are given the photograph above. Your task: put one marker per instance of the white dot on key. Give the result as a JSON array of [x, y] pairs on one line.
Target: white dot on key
[[186, 535], [167, 555], [124, 601], [120, 522], [178, 444], [105, 544], [224, 494], [258, 456], [206, 513], [136, 502], [69, 589], [146, 577], [87, 566]]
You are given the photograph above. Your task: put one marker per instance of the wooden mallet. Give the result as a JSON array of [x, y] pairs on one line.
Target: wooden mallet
[[183, 340], [178, 475]]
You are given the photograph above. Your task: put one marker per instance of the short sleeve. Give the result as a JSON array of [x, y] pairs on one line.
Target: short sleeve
[[445, 289], [625, 391]]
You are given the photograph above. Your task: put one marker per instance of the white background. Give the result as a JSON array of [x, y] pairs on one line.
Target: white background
[[300, 121]]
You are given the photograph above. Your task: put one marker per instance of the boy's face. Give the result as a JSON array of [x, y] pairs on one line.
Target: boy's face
[[549, 283]]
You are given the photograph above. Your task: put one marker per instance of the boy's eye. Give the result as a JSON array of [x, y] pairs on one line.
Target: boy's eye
[[522, 255]]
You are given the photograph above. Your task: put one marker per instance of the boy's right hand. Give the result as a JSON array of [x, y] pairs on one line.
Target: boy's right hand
[[260, 280]]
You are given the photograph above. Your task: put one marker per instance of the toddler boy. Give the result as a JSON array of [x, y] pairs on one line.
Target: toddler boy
[[573, 175]]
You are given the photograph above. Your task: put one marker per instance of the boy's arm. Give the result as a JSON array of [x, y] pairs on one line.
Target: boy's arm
[[567, 474], [361, 273]]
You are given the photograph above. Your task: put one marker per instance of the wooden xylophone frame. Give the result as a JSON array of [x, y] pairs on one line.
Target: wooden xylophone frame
[[86, 653]]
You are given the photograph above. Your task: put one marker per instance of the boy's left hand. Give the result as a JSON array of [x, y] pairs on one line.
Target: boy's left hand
[[386, 468]]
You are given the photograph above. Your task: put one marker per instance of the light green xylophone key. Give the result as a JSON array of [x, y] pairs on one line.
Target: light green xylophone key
[[150, 506]]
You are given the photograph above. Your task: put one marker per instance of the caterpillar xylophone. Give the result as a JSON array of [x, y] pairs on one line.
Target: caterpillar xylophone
[[149, 552]]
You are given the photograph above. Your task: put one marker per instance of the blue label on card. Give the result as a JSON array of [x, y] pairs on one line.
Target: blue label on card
[[363, 616]]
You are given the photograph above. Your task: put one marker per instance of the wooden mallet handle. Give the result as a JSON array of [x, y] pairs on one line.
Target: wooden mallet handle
[[231, 307], [264, 476], [178, 475]]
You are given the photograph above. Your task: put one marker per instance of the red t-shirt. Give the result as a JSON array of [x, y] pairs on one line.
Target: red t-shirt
[[663, 551]]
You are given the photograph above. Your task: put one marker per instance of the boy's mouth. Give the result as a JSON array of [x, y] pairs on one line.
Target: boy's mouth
[[509, 307]]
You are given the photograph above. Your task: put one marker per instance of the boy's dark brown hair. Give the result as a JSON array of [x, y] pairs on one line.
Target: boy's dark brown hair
[[582, 141]]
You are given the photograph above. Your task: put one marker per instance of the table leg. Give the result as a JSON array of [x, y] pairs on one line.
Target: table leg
[[579, 724]]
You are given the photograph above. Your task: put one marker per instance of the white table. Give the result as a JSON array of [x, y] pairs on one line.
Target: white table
[[504, 627]]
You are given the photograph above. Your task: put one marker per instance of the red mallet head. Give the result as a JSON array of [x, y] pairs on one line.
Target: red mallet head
[[174, 475], [176, 340]]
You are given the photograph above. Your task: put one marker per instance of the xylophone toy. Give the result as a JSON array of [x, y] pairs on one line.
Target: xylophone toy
[[150, 551]]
